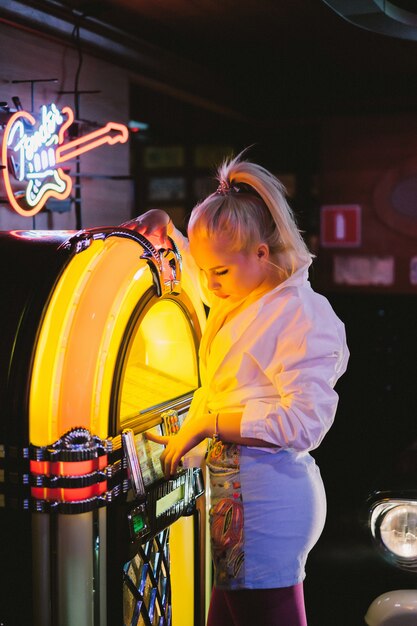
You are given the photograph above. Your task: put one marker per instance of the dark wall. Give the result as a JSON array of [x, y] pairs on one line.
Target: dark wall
[[363, 452], [289, 148], [370, 161]]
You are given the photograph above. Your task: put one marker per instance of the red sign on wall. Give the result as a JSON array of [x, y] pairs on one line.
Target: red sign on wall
[[340, 226]]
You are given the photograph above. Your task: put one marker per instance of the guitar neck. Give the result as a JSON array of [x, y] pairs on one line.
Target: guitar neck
[[111, 133]]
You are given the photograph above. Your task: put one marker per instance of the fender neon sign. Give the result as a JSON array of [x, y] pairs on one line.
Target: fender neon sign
[[34, 156]]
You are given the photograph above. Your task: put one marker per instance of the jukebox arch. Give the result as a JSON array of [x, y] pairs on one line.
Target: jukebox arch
[[156, 353], [82, 336]]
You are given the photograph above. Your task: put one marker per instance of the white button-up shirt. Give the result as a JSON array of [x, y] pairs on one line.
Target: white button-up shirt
[[276, 361]]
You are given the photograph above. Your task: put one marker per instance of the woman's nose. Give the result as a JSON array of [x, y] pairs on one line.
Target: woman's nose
[[213, 282]]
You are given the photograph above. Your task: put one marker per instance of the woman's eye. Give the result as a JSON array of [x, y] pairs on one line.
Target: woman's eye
[[221, 272]]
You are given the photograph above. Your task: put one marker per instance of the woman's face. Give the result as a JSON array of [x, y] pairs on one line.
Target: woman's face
[[230, 274]]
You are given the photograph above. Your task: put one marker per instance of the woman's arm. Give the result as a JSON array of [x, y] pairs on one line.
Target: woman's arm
[[225, 425], [303, 364]]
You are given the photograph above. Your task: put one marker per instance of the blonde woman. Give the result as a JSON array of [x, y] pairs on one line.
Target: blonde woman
[[270, 357]]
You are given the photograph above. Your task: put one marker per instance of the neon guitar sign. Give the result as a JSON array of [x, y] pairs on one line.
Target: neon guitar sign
[[34, 156]]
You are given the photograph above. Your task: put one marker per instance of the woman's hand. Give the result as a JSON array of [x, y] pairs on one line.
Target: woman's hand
[[189, 435], [154, 223]]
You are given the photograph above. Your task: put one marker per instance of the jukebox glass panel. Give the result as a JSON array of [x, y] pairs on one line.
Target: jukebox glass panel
[[162, 359]]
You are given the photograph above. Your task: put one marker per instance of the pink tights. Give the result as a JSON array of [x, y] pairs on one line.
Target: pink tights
[[261, 607]]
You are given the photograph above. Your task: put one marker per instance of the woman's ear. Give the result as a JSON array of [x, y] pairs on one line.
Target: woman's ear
[[263, 251]]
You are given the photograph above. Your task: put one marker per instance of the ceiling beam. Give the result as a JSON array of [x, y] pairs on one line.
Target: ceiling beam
[[147, 62]]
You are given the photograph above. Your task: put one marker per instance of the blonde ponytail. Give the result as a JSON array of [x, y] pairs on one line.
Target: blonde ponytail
[[237, 209]]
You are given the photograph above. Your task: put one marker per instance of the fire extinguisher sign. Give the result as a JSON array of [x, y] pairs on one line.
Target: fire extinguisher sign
[[340, 226]]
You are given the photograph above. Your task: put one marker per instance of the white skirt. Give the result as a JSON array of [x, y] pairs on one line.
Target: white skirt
[[267, 512]]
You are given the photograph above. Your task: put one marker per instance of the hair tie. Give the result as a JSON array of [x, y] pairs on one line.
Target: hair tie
[[225, 187]]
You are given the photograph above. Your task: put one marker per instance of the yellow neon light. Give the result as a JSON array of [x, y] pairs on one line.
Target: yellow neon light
[[44, 424], [80, 339], [131, 288], [182, 571]]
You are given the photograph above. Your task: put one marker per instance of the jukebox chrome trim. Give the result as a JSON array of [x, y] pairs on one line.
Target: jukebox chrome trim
[[165, 263], [77, 474]]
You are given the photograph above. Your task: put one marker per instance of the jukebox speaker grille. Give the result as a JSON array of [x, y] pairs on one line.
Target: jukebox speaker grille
[[147, 592]]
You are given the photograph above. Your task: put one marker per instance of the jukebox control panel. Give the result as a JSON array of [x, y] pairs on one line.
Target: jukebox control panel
[[156, 502]]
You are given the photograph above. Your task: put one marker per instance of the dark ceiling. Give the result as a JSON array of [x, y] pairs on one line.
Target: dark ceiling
[[275, 57], [266, 59]]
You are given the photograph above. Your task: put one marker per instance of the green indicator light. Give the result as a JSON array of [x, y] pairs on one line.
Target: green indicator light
[[138, 523]]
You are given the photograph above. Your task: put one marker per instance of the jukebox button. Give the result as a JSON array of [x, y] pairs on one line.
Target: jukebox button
[[138, 522]]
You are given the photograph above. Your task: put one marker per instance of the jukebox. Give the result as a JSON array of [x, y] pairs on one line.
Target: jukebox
[[100, 332]]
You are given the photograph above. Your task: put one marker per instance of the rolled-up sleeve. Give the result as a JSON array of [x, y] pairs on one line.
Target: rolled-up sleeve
[[303, 365]]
